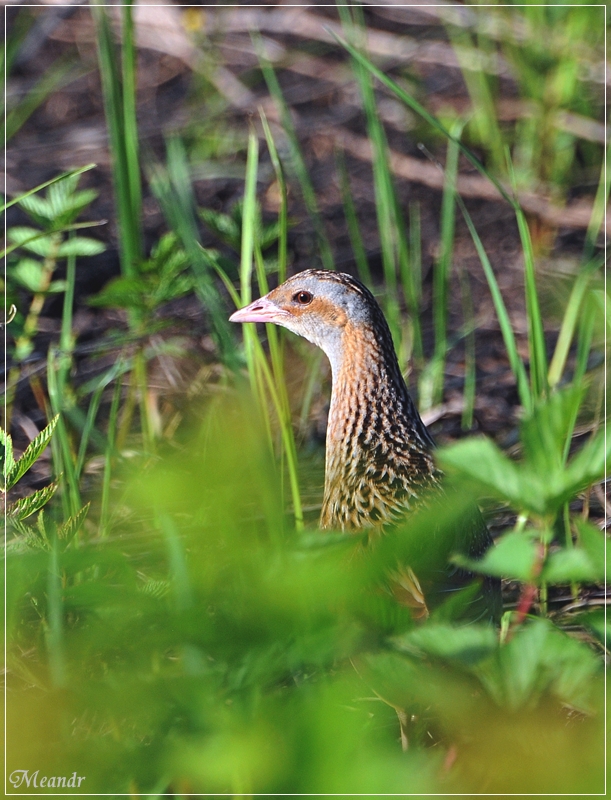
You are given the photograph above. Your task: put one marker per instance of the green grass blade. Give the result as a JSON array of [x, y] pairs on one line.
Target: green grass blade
[[52, 79], [66, 340], [57, 400], [172, 188], [385, 201], [469, 326], [92, 411], [55, 618], [599, 207], [419, 109], [569, 322], [249, 219], [283, 215], [354, 228], [414, 280], [121, 134], [108, 459], [130, 125], [443, 265], [297, 160], [517, 367], [179, 572]]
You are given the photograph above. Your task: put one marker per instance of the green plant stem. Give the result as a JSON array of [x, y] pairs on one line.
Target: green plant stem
[[66, 340], [30, 326], [65, 470], [469, 326], [414, 280], [55, 616], [261, 378], [568, 540], [108, 459], [142, 390]]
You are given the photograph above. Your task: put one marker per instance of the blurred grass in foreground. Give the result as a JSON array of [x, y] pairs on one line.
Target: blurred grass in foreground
[[207, 647]]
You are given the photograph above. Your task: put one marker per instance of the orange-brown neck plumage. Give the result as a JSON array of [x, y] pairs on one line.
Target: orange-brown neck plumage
[[377, 452]]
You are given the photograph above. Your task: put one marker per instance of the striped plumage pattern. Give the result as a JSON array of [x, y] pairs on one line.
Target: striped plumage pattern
[[378, 451]]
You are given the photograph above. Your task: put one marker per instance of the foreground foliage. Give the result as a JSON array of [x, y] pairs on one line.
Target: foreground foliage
[[205, 646]]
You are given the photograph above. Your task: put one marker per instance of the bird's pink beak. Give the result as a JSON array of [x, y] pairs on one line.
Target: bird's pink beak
[[262, 310]]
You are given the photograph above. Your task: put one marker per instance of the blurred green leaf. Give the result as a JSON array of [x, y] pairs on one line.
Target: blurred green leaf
[[29, 273], [31, 239], [81, 246], [468, 644], [514, 556], [568, 565], [222, 225], [538, 659], [121, 293]]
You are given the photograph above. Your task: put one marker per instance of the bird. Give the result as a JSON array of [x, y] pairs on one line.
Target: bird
[[379, 462]]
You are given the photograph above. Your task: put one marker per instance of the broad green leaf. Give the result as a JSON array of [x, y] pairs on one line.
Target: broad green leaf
[[467, 644], [568, 565], [537, 488], [540, 659], [31, 454], [36, 207], [482, 461], [593, 542], [8, 460], [59, 195], [31, 239], [33, 502], [81, 246], [588, 466], [513, 556], [29, 273]]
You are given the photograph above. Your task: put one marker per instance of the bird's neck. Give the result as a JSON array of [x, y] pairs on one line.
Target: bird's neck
[[368, 389], [371, 414]]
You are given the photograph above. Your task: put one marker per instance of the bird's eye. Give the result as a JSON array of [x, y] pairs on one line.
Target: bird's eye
[[303, 298]]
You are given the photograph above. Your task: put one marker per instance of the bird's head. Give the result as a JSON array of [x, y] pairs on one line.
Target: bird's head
[[320, 305]]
